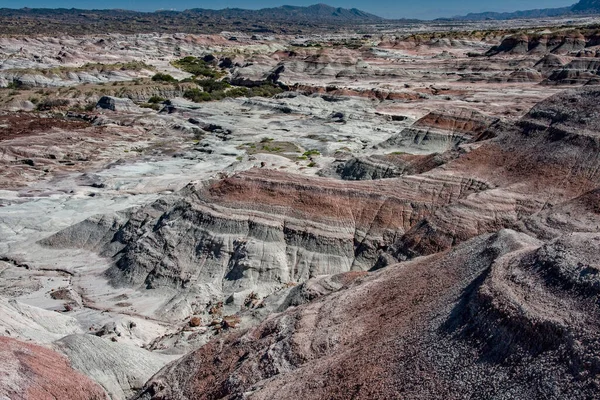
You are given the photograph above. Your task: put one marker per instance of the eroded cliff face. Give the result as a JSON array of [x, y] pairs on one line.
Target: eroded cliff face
[[546, 158], [260, 230], [485, 318], [568, 58]]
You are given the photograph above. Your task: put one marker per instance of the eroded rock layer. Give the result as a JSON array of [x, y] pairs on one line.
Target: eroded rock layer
[[460, 324], [259, 230]]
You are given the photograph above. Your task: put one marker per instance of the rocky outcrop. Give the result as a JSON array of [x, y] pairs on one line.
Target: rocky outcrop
[[26, 322], [552, 150], [519, 310], [478, 320], [390, 166], [525, 75], [579, 71], [257, 231], [50, 78], [120, 369], [580, 214], [550, 63], [561, 43], [454, 259], [29, 372], [117, 104], [439, 131]]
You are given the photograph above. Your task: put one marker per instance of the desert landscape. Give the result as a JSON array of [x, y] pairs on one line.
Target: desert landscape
[[310, 203]]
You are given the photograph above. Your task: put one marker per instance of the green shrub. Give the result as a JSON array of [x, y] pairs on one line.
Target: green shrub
[[265, 90], [271, 149], [239, 92], [211, 85], [197, 95], [218, 90], [14, 85], [163, 78], [197, 67], [312, 152], [128, 66]]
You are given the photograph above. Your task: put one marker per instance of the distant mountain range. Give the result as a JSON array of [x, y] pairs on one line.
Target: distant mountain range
[[583, 7], [317, 12], [285, 19]]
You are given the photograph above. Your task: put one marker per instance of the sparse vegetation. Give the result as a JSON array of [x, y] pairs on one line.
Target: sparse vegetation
[[218, 90], [156, 99], [212, 85], [197, 95], [51, 104], [312, 152], [197, 67], [286, 149], [128, 66], [160, 77], [353, 44], [14, 85], [90, 106]]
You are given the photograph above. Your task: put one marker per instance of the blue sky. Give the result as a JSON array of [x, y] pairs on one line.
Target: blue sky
[[384, 8]]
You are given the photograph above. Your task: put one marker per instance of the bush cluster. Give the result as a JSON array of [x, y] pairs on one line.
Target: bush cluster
[[160, 77], [197, 67], [218, 90]]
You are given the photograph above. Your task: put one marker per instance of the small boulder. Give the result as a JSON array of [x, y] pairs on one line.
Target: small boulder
[[116, 104]]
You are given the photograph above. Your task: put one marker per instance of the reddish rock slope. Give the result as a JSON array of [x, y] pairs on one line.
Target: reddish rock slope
[[31, 372]]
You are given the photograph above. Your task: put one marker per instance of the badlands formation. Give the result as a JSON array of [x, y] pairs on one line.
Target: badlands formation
[[367, 216]]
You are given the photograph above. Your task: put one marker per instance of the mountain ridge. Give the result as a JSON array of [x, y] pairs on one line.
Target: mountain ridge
[[283, 20], [582, 7], [320, 11]]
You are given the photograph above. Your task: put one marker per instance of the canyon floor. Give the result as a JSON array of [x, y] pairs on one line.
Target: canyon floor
[[381, 215]]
